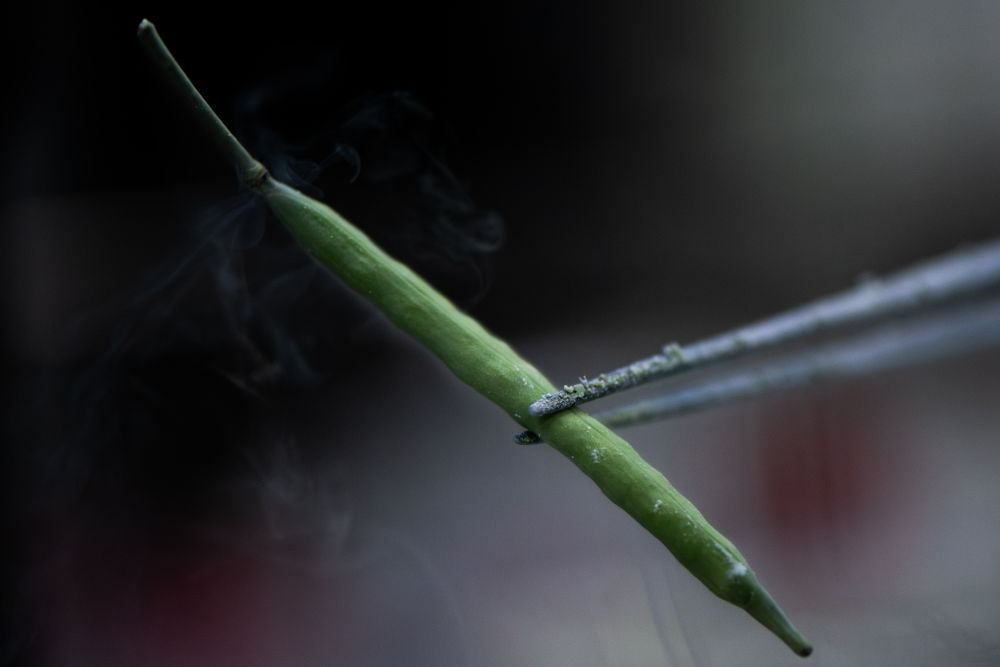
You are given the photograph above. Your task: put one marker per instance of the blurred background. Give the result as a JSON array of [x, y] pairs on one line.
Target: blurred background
[[214, 454]]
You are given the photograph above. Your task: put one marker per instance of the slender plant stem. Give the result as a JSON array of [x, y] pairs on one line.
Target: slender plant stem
[[928, 339], [491, 367], [251, 172], [927, 284]]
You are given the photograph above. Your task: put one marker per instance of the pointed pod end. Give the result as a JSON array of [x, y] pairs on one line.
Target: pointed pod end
[[763, 608]]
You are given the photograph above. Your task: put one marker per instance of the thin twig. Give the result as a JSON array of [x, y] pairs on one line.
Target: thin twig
[[897, 346], [927, 339], [929, 283]]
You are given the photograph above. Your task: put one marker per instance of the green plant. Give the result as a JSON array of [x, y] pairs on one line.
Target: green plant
[[492, 368]]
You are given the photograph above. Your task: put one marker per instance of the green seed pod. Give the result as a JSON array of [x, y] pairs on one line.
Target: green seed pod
[[492, 368]]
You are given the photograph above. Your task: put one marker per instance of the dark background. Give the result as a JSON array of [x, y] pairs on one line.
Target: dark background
[[209, 444]]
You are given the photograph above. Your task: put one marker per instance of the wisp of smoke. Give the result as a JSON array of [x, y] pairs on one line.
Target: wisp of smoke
[[383, 162]]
